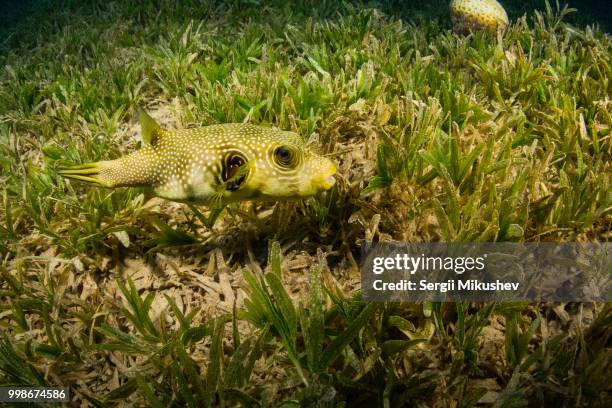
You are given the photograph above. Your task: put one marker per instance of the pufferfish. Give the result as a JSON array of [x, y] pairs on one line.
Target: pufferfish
[[469, 15], [215, 165]]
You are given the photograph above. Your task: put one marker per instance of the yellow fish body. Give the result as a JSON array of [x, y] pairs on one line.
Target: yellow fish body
[[469, 15], [216, 164]]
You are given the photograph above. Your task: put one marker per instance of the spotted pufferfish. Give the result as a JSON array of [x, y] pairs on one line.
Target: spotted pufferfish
[[215, 165], [470, 15]]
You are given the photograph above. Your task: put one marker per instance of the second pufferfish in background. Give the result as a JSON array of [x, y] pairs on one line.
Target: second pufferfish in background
[[477, 15]]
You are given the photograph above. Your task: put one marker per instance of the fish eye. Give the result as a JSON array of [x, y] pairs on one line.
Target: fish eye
[[284, 156]]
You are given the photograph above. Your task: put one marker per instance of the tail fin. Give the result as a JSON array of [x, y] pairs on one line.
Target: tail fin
[[88, 172]]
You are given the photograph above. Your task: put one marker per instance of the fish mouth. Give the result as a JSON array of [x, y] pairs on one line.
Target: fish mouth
[[328, 179], [328, 182], [319, 176]]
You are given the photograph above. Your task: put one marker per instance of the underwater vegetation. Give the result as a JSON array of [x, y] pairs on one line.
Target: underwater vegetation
[[487, 136]]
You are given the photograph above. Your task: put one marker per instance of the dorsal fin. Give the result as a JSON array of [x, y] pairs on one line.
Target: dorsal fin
[[149, 127]]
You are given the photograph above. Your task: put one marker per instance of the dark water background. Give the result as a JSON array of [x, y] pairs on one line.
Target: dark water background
[[14, 12]]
